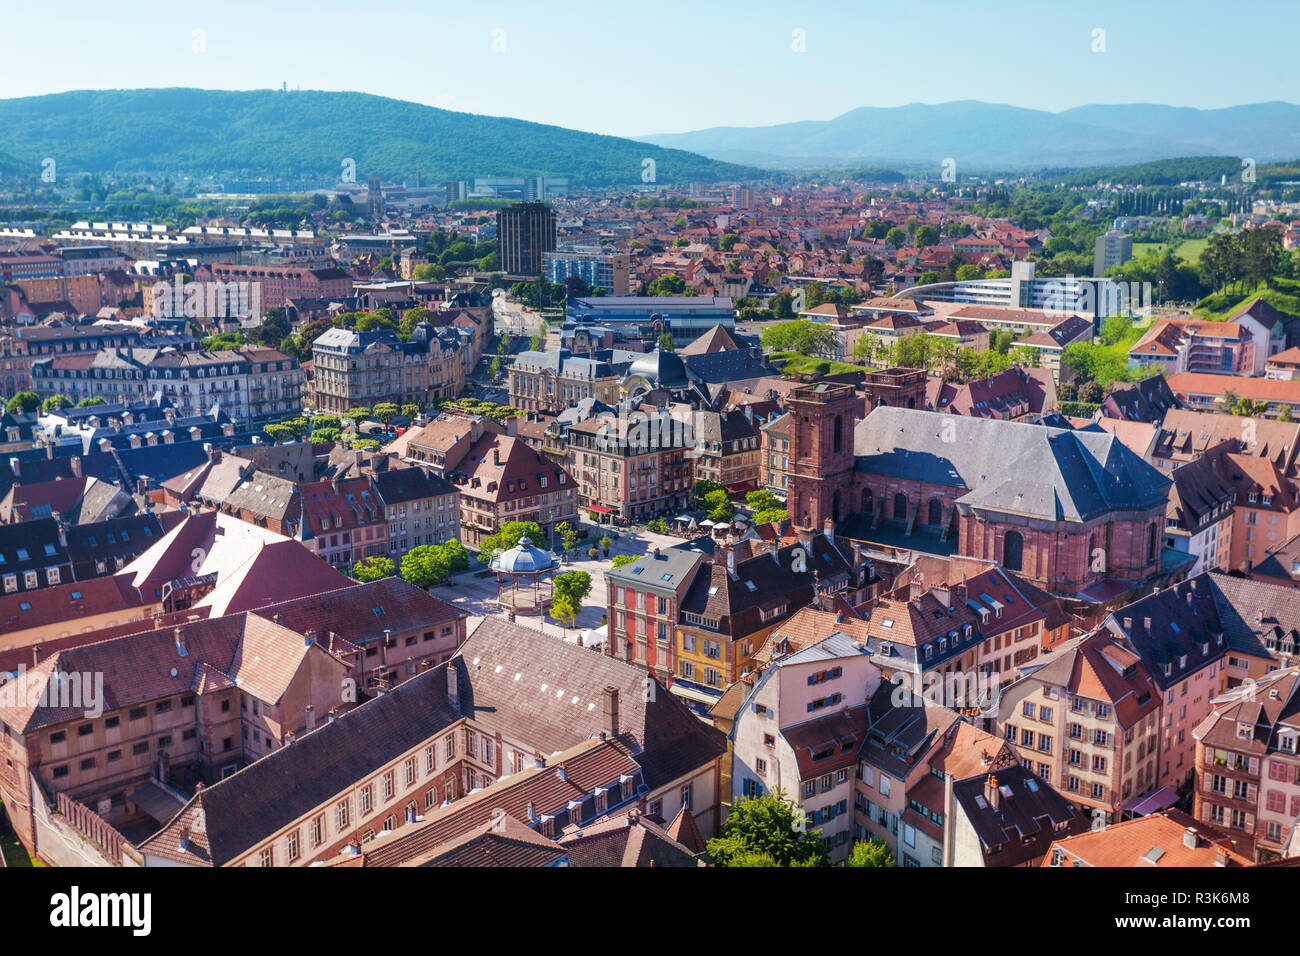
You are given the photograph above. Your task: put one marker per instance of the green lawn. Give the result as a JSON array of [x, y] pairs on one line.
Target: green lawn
[[1284, 296], [14, 854], [1188, 250], [794, 362]]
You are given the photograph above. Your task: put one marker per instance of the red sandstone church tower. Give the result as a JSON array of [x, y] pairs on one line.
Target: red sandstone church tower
[[821, 446]]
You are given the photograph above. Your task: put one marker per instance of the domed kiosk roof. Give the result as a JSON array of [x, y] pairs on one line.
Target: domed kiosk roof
[[523, 558], [660, 368]]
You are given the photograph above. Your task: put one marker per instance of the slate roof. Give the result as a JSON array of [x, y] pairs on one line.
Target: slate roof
[[1024, 820], [1009, 467]]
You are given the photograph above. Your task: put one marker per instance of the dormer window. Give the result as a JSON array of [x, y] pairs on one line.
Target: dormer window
[[1245, 731]]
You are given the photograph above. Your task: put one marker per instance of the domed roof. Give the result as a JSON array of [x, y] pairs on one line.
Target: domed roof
[[523, 558], [660, 368]]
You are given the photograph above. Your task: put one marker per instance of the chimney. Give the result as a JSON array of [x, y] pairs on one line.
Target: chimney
[[1146, 624], [311, 717], [561, 772], [610, 724], [179, 638], [731, 562], [453, 682], [1189, 838], [1220, 856], [185, 838], [310, 637], [196, 433], [991, 793], [275, 618], [496, 457], [828, 530], [16, 467]]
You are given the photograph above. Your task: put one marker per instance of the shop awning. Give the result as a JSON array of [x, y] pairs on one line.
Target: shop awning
[[600, 509], [1162, 799]]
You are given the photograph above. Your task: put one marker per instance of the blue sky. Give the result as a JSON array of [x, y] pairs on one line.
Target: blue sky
[[630, 68]]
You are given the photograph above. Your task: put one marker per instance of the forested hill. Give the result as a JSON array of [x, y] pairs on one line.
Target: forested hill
[[308, 134]]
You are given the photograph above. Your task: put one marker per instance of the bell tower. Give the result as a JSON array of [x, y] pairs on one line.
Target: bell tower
[[821, 453]]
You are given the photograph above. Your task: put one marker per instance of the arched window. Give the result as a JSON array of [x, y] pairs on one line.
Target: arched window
[[900, 506], [839, 434], [1151, 544], [936, 511], [866, 502], [1013, 547]]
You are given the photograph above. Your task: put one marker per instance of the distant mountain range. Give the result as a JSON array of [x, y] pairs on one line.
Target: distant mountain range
[[307, 134], [991, 137]]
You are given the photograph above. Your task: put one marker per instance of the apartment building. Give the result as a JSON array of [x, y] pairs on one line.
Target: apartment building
[[281, 283], [644, 600], [420, 508], [727, 449], [738, 598], [1182, 644], [361, 369], [608, 271], [774, 442], [249, 384], [342, 520], [1187, 435], [1201, 516], [553, 381], [1087, 721], [799, 730], [1248, 765], [502, 479], [633, 464]]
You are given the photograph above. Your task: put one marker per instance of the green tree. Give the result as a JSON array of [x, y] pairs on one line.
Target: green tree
[[802, 337], [704, 487], [622, 559], [564, 610], [55, 402], [768, 826], [926, 236], [279, 433], [870, 853], [605, 544], [569, 537], [666, 342], [768, 515], [386, 412], [719, 506], [424, 566], [323, 436], [782, 305], [508, 537], [573, 585], [358, 414], [410, 409], [671, 284], [761, 499], [373, 568], [91, 402], [23, 402], [896, 238], [727, 240]]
